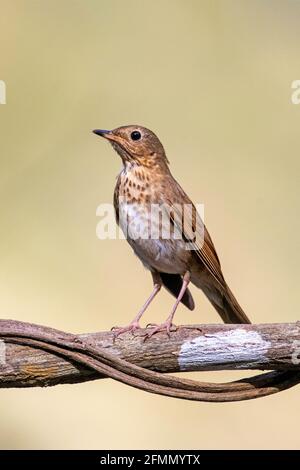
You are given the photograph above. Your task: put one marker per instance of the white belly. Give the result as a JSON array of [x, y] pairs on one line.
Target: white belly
[[145, 237]]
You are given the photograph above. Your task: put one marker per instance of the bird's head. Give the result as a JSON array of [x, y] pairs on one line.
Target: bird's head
[[136, 145]]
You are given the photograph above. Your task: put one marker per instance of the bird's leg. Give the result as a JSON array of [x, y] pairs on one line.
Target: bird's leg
[[166, 326], [134, 324]]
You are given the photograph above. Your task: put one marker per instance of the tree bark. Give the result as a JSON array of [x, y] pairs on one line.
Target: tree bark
[[189, 348]]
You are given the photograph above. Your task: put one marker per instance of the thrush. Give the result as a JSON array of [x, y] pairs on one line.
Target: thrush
[[187, 255]]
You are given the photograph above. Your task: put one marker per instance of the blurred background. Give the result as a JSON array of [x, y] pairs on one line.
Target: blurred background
[[213, 80]]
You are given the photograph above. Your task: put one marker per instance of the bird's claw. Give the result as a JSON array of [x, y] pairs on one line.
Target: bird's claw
[[167, 326], [151, 325], [117, 330]]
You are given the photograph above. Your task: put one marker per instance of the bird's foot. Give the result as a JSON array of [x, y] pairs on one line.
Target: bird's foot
[[167, 326], [117, 330]]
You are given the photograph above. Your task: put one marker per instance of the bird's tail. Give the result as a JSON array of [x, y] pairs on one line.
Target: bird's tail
[[226, 305]]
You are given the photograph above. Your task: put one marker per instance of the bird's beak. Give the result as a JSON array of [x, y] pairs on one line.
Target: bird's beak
[[102, 133], [109, 135]]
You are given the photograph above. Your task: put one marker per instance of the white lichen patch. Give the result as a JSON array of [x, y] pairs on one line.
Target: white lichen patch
[[232, 346], [2, 353]]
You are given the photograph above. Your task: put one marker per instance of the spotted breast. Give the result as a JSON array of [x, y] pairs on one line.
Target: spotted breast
[[138, 213]]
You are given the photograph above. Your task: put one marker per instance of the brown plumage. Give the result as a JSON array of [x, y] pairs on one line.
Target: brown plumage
[[146, 185]]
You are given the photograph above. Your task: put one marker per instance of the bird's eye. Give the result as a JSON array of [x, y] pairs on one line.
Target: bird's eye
[[136, 135]]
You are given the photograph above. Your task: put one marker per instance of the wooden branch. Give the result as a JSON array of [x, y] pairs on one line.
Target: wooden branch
[[190, 348]]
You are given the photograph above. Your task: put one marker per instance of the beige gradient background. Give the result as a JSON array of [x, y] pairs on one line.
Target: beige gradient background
[[213, 79]]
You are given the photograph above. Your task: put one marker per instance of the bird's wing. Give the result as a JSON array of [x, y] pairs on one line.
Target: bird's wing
[[194, 231]]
